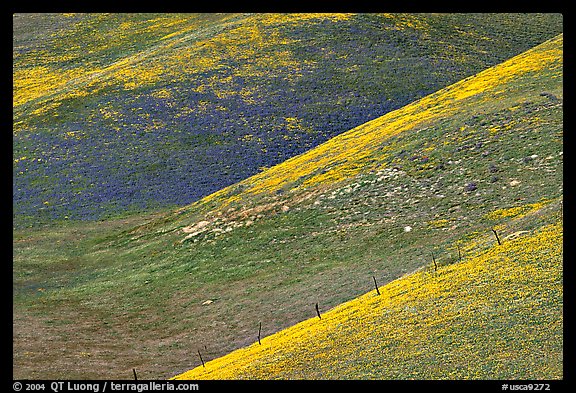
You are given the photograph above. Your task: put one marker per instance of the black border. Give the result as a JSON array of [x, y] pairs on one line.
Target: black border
[[341, 6], [318, 385]]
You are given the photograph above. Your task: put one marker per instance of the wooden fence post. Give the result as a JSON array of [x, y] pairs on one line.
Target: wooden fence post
[[376, 285], [202, 360], [259, 331], [495, 234]]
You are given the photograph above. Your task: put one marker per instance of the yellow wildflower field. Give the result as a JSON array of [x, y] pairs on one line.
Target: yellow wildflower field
[[360, 149], [495, 315], [516, 211]]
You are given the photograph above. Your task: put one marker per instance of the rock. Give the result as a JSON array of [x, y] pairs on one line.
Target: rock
[[191, 235], [471, 187], [285, 208], [195, 227], [207, 302], [550, 96], [407, 228], [454, 208], [514, 183], [493, 168]]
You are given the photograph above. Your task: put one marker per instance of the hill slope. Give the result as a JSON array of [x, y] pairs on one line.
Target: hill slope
[[123, 113], [495, 315], [375, 201]]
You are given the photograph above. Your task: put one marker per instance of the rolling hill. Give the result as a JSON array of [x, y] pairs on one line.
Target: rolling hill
[[117, 114], [497, 314], [96, 299]]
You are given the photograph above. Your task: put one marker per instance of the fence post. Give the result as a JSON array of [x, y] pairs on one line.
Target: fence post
[[318, 311], [495, 234], [202, 360], [259, 331], [376, 285]]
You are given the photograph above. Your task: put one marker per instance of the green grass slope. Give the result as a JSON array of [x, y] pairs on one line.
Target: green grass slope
[[94, 300], [497, 314]]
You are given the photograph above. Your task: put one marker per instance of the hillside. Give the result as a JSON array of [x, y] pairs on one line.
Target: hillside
[[117, 114], [497, 314], [378, 200]]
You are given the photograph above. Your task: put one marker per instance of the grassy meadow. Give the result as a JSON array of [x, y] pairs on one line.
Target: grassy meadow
[[497, 314], [107, 282]]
